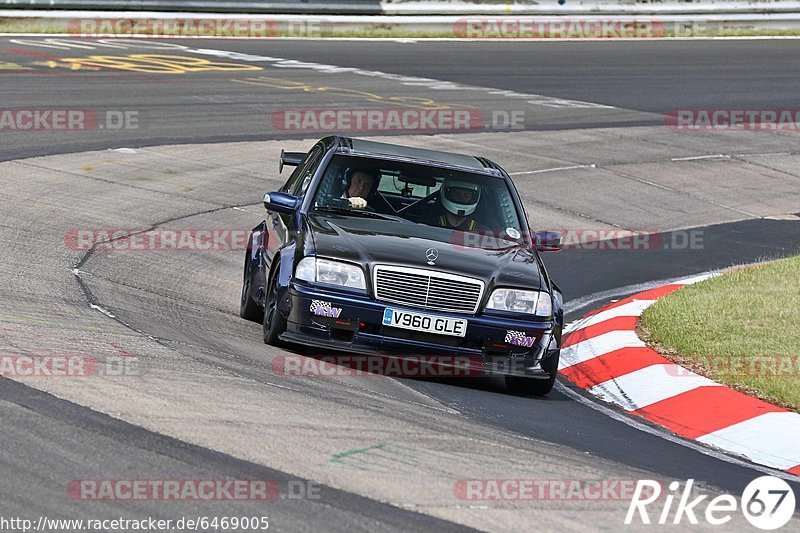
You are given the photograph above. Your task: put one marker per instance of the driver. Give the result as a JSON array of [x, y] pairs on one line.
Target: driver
[[359, 188], [458, 199]]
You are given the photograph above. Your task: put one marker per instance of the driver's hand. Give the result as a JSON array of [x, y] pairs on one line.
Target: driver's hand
[[357, 202]]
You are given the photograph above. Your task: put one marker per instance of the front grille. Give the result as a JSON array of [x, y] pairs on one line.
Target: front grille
[[427, 289]]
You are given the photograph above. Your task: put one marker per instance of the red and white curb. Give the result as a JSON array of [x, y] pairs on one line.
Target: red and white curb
[[602, 354]]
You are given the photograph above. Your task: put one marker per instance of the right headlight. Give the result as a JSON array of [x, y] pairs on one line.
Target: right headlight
[[536, 303], [330, 272]]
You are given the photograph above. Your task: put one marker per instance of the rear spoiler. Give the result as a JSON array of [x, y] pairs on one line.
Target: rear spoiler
[[290, 158]]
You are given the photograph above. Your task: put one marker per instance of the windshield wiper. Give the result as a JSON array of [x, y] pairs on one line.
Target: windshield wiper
[[358, 213]]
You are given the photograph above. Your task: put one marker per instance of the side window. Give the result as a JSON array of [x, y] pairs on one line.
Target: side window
[[301, 177], [389, 184], [292, 178]]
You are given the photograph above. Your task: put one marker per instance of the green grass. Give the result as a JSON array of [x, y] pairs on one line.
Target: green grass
[[741, 329], [30, 26]]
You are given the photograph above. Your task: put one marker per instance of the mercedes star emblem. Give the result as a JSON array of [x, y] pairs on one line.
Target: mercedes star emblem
[[431, 254]]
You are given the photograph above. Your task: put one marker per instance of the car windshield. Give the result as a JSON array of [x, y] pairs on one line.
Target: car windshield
[[478, 208]]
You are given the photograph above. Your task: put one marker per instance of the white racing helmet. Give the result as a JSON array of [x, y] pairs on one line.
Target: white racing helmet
[[460, 197]]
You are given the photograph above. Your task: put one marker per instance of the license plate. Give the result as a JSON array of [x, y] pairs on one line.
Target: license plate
[[455, 327]]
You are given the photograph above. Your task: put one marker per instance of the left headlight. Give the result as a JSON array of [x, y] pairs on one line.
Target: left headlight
[[536, 303], [330, 272]]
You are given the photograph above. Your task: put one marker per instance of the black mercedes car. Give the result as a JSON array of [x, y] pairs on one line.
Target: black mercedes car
[[374, 248]]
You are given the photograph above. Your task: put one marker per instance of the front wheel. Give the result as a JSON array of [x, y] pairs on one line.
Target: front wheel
[[248, 308], [536, 387], [274, 322]]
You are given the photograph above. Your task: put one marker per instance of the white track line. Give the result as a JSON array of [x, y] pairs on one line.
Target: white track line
[[554, 169], [634, 308], [597, 346], [649, 385], [771, 438]]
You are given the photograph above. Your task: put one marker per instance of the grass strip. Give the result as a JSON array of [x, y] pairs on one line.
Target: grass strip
[[741, 329]]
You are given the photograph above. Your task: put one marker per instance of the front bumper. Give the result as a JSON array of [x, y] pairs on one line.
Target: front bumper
[[352, 323]]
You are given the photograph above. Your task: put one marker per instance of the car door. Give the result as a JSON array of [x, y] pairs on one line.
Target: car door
[[279, 227]]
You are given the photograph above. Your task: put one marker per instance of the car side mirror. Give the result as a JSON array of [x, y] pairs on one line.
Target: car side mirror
[[291, 159], [549, 241], [281, 202]]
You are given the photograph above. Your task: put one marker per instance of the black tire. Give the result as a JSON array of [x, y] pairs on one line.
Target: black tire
[[536, 387], [274, 323], [248, 307]]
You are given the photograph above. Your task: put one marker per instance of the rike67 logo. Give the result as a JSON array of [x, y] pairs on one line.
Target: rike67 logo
[[767, 502]]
